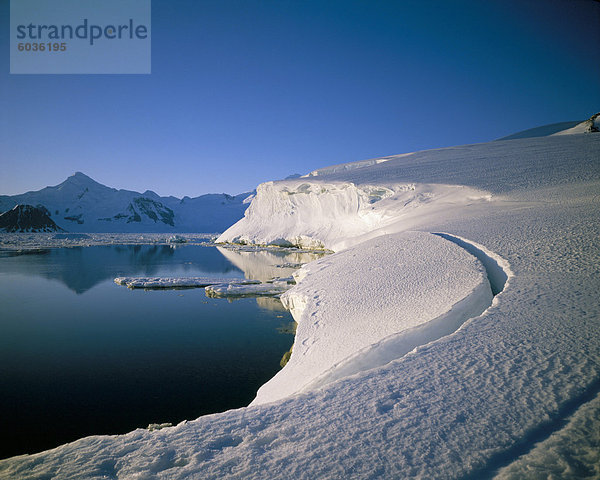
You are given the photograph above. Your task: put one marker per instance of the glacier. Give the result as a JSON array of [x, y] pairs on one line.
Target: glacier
[[511, 391]]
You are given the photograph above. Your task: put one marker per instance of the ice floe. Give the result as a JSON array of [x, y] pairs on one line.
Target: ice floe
[[275, 288], [29, 241], [179, 282]]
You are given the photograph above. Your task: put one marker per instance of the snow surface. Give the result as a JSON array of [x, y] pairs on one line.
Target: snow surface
[[542, 131], [561, 128], [511, 393], [343, 167], [571, 452], [390, 299]]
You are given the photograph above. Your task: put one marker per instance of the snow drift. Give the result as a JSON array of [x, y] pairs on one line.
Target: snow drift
[[425, 277]]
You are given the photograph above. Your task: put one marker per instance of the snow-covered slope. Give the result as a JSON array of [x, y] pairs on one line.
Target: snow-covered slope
[[562, 128], [80, 204], [453, 397], [591, 125], [542, 131]]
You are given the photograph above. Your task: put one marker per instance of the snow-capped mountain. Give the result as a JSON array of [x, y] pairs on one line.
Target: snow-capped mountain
[[80, 204], [25, 218]]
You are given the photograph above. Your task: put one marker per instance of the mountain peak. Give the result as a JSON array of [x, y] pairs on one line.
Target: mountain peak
[[78, 183], [81, 179], [80, 176]]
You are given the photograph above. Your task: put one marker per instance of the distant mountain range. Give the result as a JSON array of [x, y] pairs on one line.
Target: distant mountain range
[[80, 204]]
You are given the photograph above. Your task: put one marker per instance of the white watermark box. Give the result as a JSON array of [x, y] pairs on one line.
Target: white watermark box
[[80, 36]]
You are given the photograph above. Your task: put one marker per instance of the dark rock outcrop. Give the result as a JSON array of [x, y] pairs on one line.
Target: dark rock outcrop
[[27, 218]]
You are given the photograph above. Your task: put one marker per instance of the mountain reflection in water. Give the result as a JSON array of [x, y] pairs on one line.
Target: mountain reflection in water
[[81, 268]]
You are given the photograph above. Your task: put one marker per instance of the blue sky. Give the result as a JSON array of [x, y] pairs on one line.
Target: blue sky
[[247, 91]]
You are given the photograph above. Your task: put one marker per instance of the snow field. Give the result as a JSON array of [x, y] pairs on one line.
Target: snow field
[[571, 452]]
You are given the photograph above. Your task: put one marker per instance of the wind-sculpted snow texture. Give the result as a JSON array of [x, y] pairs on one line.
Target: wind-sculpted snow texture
[[470, 405], [566, 453], [424, 277]]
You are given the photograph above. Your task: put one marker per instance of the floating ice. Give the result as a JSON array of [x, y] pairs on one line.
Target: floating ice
[[178, 282], [176, 239], [262, 289], [71, 236], [30, 241]]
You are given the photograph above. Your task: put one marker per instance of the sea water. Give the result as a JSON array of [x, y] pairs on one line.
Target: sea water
[[80, 355]]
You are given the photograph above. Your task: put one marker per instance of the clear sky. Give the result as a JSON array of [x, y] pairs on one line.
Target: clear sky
[[247, 91]]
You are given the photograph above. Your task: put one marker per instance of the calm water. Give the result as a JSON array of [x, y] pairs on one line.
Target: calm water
[[80, 355]]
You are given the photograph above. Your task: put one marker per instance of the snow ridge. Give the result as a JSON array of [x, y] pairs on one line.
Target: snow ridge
[[399, 344], [393, 308], [497, 268]]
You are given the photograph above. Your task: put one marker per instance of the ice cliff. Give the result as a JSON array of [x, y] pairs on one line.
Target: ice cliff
[[312, 213]]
